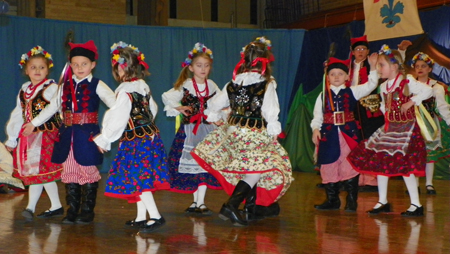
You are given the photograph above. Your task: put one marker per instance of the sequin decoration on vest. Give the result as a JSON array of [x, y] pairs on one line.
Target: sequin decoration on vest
[[246, 103], [141, 122]]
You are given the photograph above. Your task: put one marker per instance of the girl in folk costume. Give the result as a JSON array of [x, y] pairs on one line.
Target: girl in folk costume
[[33, 150], [79, 99], [335, 132], [397, 148], [140, 164], [244, 154], [189, 96], [439, 111]]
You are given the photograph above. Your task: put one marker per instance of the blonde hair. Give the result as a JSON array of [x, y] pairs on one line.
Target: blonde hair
[[185, 73], [395, 58]]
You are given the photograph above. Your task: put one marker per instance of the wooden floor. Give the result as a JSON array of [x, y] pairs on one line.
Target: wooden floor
[[298, 229]]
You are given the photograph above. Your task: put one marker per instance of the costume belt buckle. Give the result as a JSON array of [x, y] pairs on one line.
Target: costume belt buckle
[[339, 118]]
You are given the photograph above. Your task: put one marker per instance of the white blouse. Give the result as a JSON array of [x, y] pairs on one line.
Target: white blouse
[[441, 104], [15, 122], [172, 98], [270, 107], [116, 118]]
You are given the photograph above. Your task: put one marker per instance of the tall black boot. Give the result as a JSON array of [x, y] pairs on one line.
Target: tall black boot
[[333, 202], [88, 203], [351, 186], [250, 206], [230, 210], [272, 210], [73, 195]]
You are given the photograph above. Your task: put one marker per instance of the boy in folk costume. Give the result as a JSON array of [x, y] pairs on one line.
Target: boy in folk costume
[[79, 102], [335, 132]]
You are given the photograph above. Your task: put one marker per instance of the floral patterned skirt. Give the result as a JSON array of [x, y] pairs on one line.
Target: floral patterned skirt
[[368, 161], [444, 150], [185, 182], [48, 171], [140, 166], [230, 154]]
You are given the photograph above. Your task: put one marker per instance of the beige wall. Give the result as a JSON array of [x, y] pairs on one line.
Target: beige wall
[[97, 11]]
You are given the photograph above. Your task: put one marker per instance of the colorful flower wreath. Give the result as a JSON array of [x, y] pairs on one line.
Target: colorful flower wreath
[[38, 50], [385, 50], [198, 48], [424, 57], [116, 59], [265, 41]]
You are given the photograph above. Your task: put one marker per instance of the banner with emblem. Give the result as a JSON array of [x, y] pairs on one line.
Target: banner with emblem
[[387, 19]]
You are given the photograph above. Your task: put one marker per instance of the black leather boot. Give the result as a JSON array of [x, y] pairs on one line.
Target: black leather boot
[[351, 186], [272, 210], [73, 195], [230, 210], [88, 203], [333, 202], [250, 206]]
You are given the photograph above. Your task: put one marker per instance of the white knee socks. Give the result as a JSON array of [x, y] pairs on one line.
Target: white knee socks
[[52, 192], [429, 171], [382, 190], [150, 205], [201, 192], [34, 193], [411, 184], [252, 179]]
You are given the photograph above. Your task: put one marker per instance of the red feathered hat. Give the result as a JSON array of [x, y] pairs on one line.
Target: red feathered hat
[[334, 63], [87, 49]]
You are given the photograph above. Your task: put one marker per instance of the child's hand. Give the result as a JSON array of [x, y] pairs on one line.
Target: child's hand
[[101, 150], [406, 106], [185, 110], [404, 45], [27, 129], [219, 123], [373, 59], [316, 137], [10, 149]]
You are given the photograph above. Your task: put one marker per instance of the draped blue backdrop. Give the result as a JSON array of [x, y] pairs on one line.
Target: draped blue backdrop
[[164, 48]]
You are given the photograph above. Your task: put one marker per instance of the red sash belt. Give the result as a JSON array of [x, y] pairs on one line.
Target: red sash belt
[[338, 118], [80, 118]]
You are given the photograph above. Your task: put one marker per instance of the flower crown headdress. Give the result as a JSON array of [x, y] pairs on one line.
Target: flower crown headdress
[[38, 50], [424, 57], [117, 59], [385, 50], [198, 48]]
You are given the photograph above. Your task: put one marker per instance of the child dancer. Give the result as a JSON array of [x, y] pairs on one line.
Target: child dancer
[[244, 154], [439, 110], [335, 132], [397, 148], [189, 96], [79, 101], [140, 164], [34, 149]]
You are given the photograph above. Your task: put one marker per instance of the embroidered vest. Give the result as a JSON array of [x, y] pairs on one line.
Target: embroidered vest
[[245, 104], [141, 122], [37, 104], [86, 96], [394, 101], [194, 102]]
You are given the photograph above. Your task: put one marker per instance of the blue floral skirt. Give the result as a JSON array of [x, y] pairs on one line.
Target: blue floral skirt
[[185, 182], [140, 165]]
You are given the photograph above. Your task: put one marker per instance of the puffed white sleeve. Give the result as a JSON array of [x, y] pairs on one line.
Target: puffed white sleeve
[[171, 100], [216, 104], [106, 94], [14, 124], [153, 106], [316, 122], [114, 121], [270, 109], [420, 90], [365, 89], [442, 105]]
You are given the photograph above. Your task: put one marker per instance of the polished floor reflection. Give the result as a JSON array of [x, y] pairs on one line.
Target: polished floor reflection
[[298, 229]]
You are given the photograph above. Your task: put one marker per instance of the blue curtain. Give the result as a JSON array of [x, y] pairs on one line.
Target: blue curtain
[[164, 48]]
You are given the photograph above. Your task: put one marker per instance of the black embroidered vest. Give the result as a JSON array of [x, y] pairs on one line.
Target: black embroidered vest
[[141, 122], [194, 102]]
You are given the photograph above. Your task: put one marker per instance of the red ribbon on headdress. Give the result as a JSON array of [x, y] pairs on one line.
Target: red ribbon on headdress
[[264, 62], [144, 64], [238, 65]]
